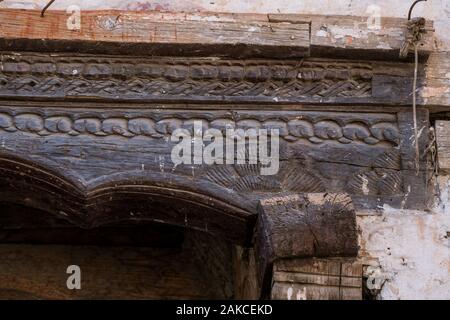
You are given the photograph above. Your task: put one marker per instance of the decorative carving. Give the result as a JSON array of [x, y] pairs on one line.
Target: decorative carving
[[362, 154], [311, 129], [191, 205], [380, 179], [299, 226], [128, 78], [292, 177]]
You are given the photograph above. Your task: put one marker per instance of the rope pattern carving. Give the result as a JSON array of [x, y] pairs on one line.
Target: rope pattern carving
[[295, 129], [140, 78]]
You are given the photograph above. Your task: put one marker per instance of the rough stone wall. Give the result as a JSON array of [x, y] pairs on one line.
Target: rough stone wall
[[407, 251]]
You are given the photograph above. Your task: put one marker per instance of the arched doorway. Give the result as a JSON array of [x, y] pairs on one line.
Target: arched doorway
[[131, 238]]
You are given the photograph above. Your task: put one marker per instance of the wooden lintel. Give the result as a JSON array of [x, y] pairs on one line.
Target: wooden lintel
[[231, 35], [147, 34], [358, 37]]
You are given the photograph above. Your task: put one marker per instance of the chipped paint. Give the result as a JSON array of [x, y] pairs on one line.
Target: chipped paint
[[365, 184], [300, 295], [411, 248]]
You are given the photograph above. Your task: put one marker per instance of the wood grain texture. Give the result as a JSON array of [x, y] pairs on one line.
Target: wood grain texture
[[289, 35], [304, 226], [85, 155], [39, 272], [84, 77], [246, 282], [317, 279], [357, 37], [85, 141], [443, 145], [138, 33], [435, 91], [121, 78]]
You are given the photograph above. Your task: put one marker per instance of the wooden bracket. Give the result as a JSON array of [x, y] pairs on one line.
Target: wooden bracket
[[303, 226]]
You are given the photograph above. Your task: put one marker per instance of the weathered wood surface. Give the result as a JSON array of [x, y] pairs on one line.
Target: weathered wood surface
[[126, 199], [108, 272], [89, 160], [75, 77], [20, 224], [435, 89], [331, 36], [357, 37], [139, 33], [86, 137], [257, 34], [246, 277], [442, 129], [309, 225], [214, 259], [304, 226], [317, 279]]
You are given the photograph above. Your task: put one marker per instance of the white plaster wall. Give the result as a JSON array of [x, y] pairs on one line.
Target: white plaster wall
[[411, 249]]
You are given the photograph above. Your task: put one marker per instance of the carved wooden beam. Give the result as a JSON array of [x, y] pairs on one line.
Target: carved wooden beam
[[302, 226], [72, 77], [85, 150]]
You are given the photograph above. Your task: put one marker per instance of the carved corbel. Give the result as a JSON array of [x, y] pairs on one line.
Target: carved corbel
[[305, 247]]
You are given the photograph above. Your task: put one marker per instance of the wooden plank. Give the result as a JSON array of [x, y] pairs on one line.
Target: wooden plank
[[317, 279], [246, 284], [443, 145], [435, 90], [353, 37], [107, 272], [209, 34], [137, 33]]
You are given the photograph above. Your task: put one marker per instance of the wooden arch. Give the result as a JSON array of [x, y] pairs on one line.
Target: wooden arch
[[126, 196]]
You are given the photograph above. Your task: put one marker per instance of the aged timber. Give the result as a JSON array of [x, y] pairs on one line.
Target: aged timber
[[87, 118], [298, 226], [317, 279], [72, 77], [208, 34], [368, 155], [443, 145]]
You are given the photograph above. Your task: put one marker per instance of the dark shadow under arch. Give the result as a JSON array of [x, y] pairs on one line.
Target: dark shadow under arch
[[128, 196]]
